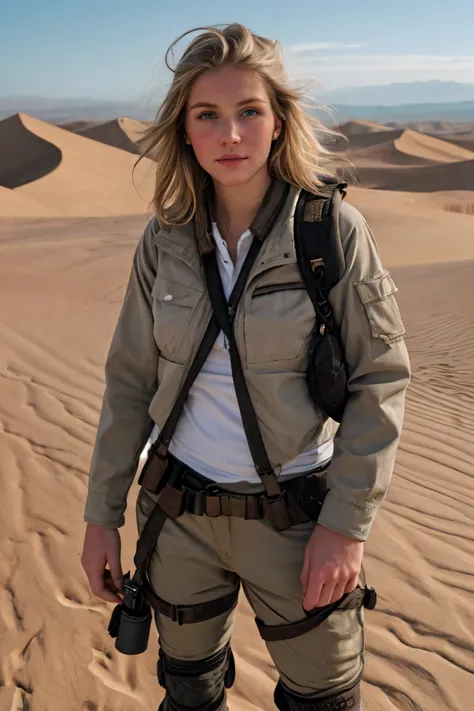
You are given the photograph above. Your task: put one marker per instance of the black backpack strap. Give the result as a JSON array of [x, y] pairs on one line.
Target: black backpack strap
[[317, 231]]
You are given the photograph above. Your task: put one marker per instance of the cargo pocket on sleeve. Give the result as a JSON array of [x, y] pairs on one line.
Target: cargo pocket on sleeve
[[377, 296]]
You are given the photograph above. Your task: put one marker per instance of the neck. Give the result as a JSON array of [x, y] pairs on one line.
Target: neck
[[236, 207]]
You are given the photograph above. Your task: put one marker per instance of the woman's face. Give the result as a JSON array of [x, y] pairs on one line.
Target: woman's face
[[231, 124]]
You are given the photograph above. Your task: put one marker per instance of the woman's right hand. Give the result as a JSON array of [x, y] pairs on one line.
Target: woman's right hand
[[102, 547]]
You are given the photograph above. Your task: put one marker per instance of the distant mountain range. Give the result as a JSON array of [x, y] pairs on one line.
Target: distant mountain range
[[397, 94], [63, 110], [415, 101], [456, 112]]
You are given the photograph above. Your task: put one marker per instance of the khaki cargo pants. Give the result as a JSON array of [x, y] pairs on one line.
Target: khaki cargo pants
[[198, 559]]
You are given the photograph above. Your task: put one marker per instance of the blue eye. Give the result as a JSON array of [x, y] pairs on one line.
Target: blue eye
[[254, 111], [206, 113]]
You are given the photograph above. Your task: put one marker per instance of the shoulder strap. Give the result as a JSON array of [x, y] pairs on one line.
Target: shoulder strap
[[225, 313], [318, 242]]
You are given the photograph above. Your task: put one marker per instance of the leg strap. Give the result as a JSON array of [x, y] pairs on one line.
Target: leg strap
[[187, 614], [198, 685], [286, 700], [366, 597]]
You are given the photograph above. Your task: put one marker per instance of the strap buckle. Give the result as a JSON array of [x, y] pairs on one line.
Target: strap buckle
[[275, 510], [370, 598], [176, 614]]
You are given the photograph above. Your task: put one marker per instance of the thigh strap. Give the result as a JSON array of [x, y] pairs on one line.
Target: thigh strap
[[359, 597], [188, 614]]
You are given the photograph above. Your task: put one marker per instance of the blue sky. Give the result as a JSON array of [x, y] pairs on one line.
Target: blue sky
[[114, 49]]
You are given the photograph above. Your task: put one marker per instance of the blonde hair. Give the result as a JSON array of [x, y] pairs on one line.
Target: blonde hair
[[296, 157]]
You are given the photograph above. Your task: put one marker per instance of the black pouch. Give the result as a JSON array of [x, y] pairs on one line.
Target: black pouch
[[131, 620], [326, 374], [308, 492]]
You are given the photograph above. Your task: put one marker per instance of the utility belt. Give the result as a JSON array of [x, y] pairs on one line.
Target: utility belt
[[182, 489], [179, 488]]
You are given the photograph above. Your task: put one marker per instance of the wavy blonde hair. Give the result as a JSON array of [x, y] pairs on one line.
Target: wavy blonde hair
[[296, 157]]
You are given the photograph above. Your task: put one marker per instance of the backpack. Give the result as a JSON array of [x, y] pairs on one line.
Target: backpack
[[321, 261]]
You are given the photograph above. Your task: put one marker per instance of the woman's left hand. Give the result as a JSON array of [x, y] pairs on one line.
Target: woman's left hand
[[331, 567]]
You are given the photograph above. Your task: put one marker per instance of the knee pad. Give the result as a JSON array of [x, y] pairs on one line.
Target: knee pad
[[197, 684], [286, 700]]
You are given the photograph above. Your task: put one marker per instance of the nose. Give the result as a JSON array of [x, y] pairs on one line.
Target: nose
[[230, 135]]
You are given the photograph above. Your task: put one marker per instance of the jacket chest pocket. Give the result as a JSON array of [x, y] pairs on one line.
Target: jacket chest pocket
[[279, 317], [174, 306]]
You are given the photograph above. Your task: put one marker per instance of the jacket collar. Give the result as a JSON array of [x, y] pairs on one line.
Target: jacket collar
[[267, 214], [275, 214]]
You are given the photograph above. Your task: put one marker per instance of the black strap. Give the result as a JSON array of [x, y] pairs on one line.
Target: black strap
[[317, 240], [212, 331], [360, 596], [225, 313], [189, 614]]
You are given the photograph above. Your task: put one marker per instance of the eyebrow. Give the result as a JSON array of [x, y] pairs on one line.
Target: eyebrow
[[207, 105]]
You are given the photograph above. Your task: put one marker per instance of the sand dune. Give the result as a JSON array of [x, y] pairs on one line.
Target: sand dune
[[78, 126], [12, 204], [435, 128], [121, 133], [404, 147], [71, 174], [361, 128], [465, 140], [413, 228], [427, 178]]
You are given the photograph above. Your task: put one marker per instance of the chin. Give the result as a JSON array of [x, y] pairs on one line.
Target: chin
[[235, 179], [232, 181]]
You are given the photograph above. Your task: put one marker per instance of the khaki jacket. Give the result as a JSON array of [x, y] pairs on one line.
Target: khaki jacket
[[156, 339]]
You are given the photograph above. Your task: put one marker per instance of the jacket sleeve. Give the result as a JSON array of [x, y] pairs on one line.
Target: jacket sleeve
[[130, 384], [372, 331]]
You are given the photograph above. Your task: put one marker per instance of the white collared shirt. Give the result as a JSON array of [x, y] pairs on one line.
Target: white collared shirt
[[210, 437]]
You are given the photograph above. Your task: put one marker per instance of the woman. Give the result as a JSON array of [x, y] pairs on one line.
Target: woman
[[234, 149]]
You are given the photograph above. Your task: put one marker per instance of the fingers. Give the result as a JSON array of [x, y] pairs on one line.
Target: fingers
[[351, 584], [116, 570], [338, 592], [304, 577], [313, 594], [97, 582]]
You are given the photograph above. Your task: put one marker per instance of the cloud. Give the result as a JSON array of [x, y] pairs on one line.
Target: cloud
[[318, 46], [346, 69]]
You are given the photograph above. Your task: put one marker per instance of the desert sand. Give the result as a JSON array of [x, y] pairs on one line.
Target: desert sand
[[70, 220]]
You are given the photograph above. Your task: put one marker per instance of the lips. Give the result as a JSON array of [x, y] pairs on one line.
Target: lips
[[231, 159]]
